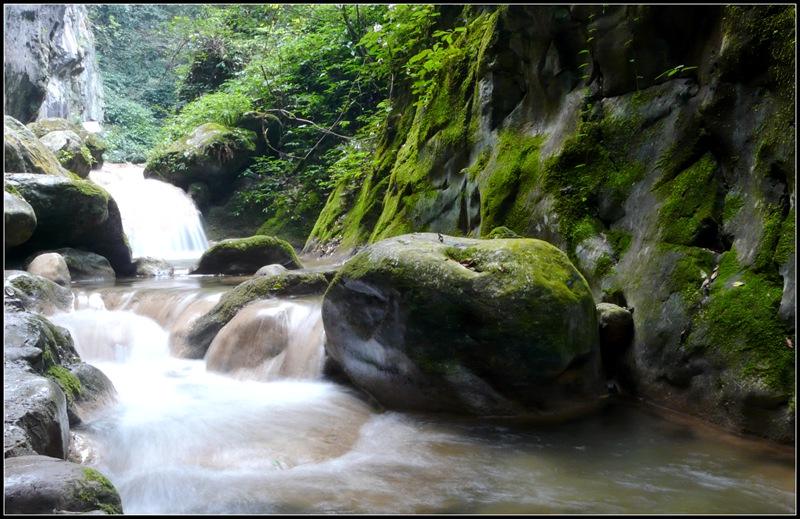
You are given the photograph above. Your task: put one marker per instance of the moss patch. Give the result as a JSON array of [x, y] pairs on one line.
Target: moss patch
[[69, 383], [98, 492], [741, 323], [689, 202]]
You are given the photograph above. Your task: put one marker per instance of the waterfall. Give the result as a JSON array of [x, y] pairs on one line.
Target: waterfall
[[159, 219]]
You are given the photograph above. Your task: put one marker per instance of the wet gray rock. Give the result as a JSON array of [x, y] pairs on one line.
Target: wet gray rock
[[52, 266], [35, 419], [26, 291], [45, 485], [19, 218], [97, 391], [87, 266]]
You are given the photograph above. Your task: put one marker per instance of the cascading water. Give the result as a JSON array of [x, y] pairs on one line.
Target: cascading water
[[159, 219], [255, 428]]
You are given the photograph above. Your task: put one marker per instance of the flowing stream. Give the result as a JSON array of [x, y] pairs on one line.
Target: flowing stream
[[255, 428]]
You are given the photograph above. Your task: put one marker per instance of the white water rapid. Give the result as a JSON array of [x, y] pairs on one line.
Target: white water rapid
[[159, 219]]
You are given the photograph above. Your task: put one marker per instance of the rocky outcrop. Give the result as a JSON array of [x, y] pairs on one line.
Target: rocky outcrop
[[654, 144], [50, 66], [246, 255], [75, 213], [292, 283], [45, 485], [19, 219], [488, 327], [212, 154], [70, 151], [24, 153], [95, 145]]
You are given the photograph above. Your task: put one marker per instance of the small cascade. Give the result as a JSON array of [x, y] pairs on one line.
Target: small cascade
[[159, 219], [270, 340]]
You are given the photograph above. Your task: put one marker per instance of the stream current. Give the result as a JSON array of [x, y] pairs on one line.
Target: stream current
[[237, 432]]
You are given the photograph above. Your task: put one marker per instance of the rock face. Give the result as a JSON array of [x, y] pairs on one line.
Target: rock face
[[291, 283], [616, 334], [652, 174], [212, 154], [246, 255], [24, 153], [487, 327], [52, 266], [76, 213], [50, 65], [45, 485], [19, 219]]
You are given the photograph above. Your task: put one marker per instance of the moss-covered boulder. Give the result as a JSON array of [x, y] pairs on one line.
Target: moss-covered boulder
[[70, 151], [73, 212], [24, 153], [487, 327], [246, 255], [19, 219], [211, 153], [96, 145], [44, 485], [291, 283]]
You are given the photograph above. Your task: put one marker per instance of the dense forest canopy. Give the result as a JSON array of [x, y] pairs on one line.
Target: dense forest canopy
[[326, 75]]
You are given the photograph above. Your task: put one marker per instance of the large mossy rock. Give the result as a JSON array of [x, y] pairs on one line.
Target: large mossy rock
[[73, 213], [246, 255], [502, 326], [286, 284], [19, 219], [24, 153], [46, 485], [212, 154], [70, 151]]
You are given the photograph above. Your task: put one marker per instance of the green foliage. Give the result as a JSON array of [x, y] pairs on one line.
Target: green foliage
[[132, 129]]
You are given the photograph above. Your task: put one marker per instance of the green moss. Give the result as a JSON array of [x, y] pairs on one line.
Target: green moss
[[502, 232], [785, 246], [619, 240], [95, 490], [689, 202], [512, 170], [604, 266], [593, 163], [13, 190], [69, 383], [770, 236], [693, 265], [733, 204], [741, 323]]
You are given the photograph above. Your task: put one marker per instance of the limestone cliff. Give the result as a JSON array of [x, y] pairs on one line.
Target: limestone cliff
[[49, 63], [655, 144]]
